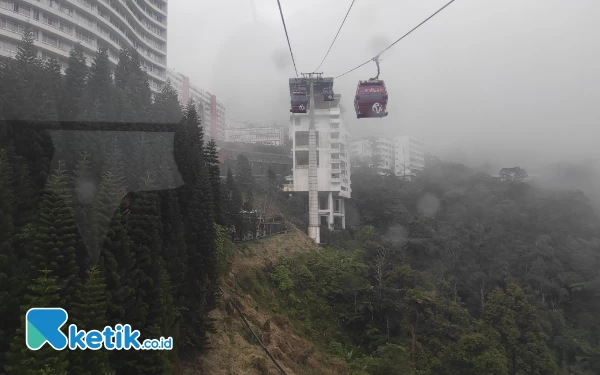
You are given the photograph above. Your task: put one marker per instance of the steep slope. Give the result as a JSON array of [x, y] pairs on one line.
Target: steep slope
[[233, 349]]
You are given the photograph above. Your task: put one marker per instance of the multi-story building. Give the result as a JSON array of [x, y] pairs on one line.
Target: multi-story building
[[361, 149], [59, 24], [409, 156], [383, 150], [404, 155], [211, 111], [272, 135], [333, 162]]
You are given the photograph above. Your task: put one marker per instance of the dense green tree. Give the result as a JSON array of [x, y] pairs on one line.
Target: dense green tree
[[8, 258], [21, 360], [55, 237], [56, 83], [75, 80], [516, 322], [474, 354], [167, 108], [11, 105], [244, 175], [214, 171], [98, 95], [89, 313]]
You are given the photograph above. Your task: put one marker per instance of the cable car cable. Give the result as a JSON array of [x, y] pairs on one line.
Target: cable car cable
[[287, 37], [336, 35], [404, 36]]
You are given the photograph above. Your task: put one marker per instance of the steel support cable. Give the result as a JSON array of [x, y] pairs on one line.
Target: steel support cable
[[404, 36], [336, 35], [281, 370], [287, 37]]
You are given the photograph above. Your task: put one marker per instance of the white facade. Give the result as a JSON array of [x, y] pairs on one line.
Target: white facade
[[409, 156], [60, 24], [265, 135], [333, 151]]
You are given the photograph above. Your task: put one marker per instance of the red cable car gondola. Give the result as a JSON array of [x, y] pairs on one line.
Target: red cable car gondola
[[299, 102], [371, 97]]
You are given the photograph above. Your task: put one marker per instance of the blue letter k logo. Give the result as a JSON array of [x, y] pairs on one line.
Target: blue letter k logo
[[42, 325]]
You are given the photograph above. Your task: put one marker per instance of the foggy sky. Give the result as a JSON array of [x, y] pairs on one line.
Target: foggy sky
[[513, 82]]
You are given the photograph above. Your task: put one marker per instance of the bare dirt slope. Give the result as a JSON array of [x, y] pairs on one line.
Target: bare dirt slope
[[234, 351]]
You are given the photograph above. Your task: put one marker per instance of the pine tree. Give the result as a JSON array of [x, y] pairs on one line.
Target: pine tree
[[167, 108], [28, 69], [244, 175], [197, 203], [189, 153], [39, 102], [124, 107], [89, 312], [212, 161], [83, 188], [98, 96], [123, 69], [20, 360], [55, 236], [138, 88], [8, 257], [57, 87], [173, 243], [117, 262], [75, 79], [144, 228], [12, 98]]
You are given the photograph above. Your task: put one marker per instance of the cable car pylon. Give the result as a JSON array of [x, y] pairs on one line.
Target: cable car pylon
[[311, 84], [314, 231]]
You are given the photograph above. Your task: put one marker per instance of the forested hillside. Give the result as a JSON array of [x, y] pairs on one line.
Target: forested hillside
[[111, 206], [453, 273]]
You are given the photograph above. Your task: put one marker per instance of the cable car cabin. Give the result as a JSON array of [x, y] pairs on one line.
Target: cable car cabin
[[328, 94], [371, 99], [299, 102]]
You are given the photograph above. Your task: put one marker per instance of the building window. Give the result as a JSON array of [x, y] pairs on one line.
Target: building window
[[337, 206]]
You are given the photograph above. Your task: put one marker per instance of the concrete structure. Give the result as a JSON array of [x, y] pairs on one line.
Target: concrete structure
[[211, 111], [272, 135], [409, 156], [59, 25], [333, 163]]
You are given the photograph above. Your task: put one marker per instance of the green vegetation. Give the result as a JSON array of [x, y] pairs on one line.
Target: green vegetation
[[454, 273], [92, 221]]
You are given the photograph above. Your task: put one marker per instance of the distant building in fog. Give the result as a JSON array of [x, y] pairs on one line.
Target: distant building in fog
[[210, 110], [361, 149], [404, 155], [409, 156], [272, 135], [515, 174]]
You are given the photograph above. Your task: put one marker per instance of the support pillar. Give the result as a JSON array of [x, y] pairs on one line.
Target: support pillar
[[330, 220], [313, 188], [343, 209]]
